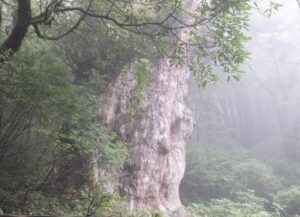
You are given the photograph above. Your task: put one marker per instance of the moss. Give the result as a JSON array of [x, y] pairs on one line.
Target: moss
[[142, 75], [141, 72]]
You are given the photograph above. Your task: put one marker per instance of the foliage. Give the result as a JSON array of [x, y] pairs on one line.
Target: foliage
[[215, 30], [222, 46], [255, 175], [142, 72], [217, 172], [289, 199], [210, 172], [88, 201], [49, 123], [245, 205]]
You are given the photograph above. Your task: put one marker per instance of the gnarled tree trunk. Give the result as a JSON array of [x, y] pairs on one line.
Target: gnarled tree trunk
[[156, 130]]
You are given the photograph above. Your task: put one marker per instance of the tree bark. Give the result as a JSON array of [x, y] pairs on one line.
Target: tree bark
[[14, 40], [156, 131]]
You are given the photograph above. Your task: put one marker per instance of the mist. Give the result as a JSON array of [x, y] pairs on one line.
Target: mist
[[150, 108], [246, 133], [263, 105]]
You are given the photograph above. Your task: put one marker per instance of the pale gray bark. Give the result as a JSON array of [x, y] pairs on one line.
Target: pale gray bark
[[156, 132]]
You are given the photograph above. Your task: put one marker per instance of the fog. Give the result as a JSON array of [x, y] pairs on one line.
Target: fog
[[263, 107], [259, 115], [94, 119]]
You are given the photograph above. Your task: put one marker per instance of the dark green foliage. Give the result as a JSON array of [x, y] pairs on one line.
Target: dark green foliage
[[226, 181], [49, 128], [221, 171], [88, 201], [210, 172]]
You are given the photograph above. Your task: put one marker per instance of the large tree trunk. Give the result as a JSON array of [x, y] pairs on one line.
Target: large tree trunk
[[18, 33], [156, 130]]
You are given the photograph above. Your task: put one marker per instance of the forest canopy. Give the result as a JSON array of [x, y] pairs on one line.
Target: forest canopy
[[216, 29]]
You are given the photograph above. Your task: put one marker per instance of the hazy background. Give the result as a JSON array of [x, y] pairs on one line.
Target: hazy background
[[262, 109], [250, 129]]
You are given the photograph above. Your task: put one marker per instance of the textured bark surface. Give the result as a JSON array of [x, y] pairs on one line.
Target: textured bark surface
[[18, 33], [156, 131]]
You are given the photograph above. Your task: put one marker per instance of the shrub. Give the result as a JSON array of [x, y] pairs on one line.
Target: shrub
[[245, 205], [290, 200], [255, 175], [218, 172]]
